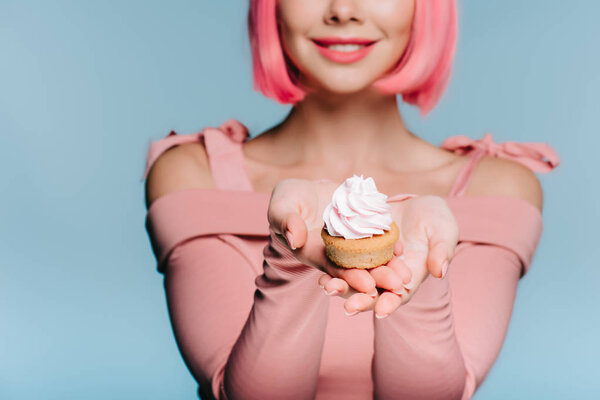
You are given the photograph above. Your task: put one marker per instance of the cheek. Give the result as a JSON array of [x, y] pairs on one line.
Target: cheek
[[297, 20], [290, 44], [395, 17], [395, 20], [297, 16], [293, 21]]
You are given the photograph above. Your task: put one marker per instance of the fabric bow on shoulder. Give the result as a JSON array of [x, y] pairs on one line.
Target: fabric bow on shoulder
[[230, 130], [537, 156]]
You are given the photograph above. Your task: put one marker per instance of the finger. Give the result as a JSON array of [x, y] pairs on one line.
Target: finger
[[336, 287], [416, 264], [442, 238], [440, 253], [398, 248], [386, 278], [295, 230], [387, 303], [323, 279], [358, 279], [286, 207], [359, 302], [401, 269], [347, 292]]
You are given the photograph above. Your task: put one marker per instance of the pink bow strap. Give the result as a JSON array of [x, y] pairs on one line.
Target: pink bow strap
[[537, 156], [234, 129]]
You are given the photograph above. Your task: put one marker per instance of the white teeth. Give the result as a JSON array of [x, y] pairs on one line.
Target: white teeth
[[345, 47]]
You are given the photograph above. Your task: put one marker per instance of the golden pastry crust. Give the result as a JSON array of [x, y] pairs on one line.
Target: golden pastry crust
[[364, 253]]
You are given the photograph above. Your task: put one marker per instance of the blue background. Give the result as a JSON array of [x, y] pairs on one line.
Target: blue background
[[85, 86]]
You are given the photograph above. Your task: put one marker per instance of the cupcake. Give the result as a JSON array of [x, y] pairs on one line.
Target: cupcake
[[358, 229]]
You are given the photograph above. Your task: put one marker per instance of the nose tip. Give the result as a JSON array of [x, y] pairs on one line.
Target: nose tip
[[342, 11]]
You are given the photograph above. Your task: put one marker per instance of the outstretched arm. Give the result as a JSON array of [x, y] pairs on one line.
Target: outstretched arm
[[241, 335], [484, 284], [244, 336], [445, 340], [417, 354]]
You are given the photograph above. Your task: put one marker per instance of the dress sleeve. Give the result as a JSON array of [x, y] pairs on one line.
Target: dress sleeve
[[444, 341], [242, 336]]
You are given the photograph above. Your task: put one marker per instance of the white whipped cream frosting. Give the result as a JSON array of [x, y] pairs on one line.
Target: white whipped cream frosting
[[357, 210]]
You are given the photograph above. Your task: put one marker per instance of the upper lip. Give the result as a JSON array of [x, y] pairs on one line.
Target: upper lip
[[326, 41]]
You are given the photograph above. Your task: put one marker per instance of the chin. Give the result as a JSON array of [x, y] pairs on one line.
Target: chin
[[341, 85], [345, 88]]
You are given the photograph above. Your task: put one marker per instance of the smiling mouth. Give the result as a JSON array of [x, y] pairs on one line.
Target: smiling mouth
[[344, 47], [344, 50]]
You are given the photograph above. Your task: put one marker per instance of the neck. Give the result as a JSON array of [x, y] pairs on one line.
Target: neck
[[346, 132]]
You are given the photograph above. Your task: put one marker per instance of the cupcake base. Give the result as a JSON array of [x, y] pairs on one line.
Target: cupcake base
[[364, 253]]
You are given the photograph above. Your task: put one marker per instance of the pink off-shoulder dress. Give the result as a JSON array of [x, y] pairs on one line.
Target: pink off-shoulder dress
[[251, 321]]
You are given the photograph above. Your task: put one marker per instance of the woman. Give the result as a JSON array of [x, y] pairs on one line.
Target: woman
[[255, 305]]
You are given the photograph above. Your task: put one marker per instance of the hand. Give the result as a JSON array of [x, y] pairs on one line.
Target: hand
[[428, 237], [295, 215]]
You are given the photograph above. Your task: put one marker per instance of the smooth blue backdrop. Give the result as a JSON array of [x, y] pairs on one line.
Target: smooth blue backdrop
[[84, 87]]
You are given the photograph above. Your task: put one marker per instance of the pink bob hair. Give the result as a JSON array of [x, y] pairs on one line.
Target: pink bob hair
[[421, 75]]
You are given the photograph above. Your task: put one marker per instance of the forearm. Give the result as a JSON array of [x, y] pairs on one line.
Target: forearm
[[416, 354], [278, 353], [275, 323], [418, 345], [484, 282]]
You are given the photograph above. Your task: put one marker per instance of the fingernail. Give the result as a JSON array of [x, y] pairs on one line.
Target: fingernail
[[288, 236], [321, 286], [381, 316], [444, 269], [350, 314], [399, 292], [334, 291], [373, 293]]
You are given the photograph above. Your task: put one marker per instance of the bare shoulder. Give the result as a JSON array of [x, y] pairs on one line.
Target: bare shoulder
[[494, 176], [181, 167]]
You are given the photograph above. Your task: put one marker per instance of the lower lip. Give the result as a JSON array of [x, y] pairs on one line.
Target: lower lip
[[344, 56]]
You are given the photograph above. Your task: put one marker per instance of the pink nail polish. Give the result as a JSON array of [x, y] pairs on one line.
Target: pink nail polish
[[381, 316], [350, 314]]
